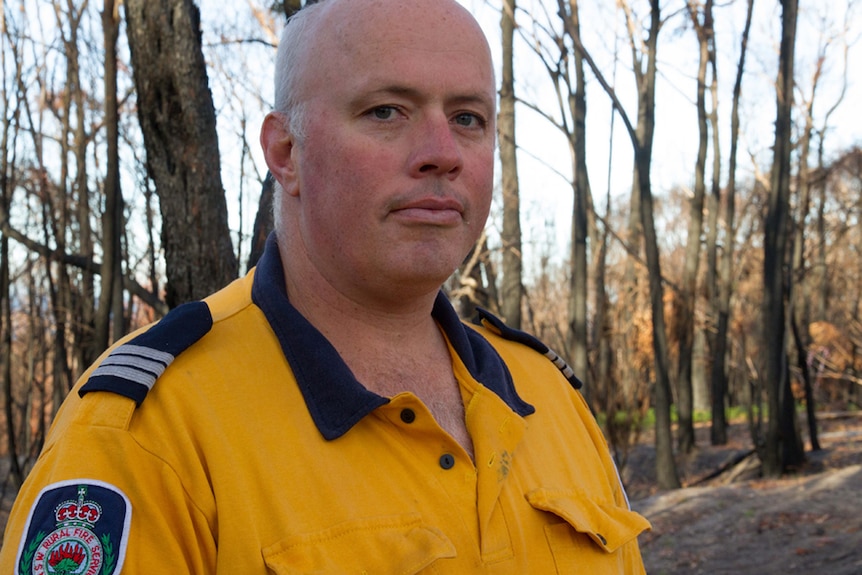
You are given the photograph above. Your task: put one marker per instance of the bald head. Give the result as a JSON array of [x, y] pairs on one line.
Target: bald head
[[382, 144], [318, 40]]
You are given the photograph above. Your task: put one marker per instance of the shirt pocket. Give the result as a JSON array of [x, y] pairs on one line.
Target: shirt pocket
[[591, 537], [400, 544]]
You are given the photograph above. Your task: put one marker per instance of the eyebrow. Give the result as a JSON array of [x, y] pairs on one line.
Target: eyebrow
[[417, 95]]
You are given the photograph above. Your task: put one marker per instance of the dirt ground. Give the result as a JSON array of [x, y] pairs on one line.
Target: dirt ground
[[739, 523]]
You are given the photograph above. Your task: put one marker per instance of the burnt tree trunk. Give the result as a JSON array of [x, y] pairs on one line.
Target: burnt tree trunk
[[666, 471], [783, 449], [177, 118], [718, 349], [684, 305], [578, 337], [511, 290], [110, 299]]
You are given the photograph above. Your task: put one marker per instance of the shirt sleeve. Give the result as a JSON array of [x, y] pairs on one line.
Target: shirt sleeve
[[97, 496]]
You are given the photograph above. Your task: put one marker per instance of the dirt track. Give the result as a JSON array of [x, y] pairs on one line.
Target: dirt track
[[810, 523]]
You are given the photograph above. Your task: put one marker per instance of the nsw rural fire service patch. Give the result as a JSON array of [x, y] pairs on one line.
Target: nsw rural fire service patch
[[76, 527]]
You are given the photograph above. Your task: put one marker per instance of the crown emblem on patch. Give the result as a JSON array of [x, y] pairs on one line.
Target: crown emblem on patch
[[78, 513]]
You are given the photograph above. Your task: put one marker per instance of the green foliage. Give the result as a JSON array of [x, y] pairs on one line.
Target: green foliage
[[621, 418]]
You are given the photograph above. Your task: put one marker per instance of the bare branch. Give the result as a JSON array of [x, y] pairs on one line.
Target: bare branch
[[81, 262]]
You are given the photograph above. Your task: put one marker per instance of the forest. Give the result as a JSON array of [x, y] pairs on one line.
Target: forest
[[131, 182]]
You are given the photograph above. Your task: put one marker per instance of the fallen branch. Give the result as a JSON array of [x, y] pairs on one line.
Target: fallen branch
[[737, 459]]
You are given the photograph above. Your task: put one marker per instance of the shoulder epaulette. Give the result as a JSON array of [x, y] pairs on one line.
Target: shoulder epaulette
[[132, 368], [495, 324]]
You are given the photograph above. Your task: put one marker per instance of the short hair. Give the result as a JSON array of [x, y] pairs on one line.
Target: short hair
[[288, 65]]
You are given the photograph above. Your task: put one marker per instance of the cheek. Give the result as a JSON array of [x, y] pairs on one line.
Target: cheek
[[335, 206], [482, 186], [345, 164]]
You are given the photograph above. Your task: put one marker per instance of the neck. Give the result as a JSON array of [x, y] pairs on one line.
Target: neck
[[364, 322], [386, 340]]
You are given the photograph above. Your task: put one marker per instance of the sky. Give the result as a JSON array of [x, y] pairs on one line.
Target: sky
[[546, 192]]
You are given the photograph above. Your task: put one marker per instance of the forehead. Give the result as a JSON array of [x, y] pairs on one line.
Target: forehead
[[411, 21], [371, 41]]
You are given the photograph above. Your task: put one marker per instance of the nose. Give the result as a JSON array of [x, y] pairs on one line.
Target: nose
[[436, 150]]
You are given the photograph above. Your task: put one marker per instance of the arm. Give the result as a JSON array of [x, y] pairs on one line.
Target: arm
[[96, 495]]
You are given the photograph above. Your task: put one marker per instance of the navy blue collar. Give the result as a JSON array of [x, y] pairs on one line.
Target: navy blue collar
[[335, 399]]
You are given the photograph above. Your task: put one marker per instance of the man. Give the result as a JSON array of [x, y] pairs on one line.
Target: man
[[329, 413]]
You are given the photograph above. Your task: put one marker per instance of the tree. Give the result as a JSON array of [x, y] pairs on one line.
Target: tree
[[684, 305], [665, 465], [721, 303], [474, 283], [10, 117], [578, 340], [177, 118], [77, 190], [511, 288], [783, 449], [799, 316], [111, 294], [821, 290], [564, 64], [644, 66]]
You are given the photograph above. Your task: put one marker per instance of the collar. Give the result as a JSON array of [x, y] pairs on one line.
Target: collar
[[334, 397]]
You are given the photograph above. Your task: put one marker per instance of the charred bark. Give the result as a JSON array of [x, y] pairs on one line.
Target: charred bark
[[177, 118]]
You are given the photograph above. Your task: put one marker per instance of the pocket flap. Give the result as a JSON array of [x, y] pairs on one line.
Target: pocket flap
[[608, 525], [400, 544]]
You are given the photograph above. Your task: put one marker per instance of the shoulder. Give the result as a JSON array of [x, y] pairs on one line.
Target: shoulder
[[132, 368], [494, 326]]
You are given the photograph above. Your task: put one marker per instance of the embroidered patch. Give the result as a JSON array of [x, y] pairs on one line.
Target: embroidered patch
[[77, 527]]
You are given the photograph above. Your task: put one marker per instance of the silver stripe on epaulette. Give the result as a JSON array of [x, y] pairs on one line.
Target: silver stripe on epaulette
[[561, 365], [146, 352], [127, 373], [135, 363]]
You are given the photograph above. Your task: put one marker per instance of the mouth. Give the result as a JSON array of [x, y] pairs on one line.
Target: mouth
[[433, 211]]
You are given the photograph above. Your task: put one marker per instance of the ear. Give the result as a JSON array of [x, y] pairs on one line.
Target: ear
[[279, 151]]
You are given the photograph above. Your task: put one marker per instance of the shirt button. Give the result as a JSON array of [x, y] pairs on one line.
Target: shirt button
[[602, 538], [447, 461], [408, 415]]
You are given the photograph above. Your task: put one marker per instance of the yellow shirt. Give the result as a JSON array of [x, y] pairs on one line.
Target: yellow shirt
[[256, 451]]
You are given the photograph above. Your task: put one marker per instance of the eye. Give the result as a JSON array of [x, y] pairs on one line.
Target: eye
[[469, 120], [383, 112]]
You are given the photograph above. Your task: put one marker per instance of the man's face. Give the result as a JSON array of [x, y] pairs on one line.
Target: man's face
[[395, 173]]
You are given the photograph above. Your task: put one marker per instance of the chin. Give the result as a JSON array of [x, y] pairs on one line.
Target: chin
[[421, 280], [425, 263]]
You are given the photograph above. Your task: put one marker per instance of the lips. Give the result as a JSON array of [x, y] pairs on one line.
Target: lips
[[445, 211]]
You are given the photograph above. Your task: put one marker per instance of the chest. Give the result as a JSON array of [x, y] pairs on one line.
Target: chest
[[395, 494], [433, 382]]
